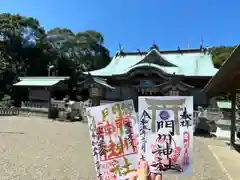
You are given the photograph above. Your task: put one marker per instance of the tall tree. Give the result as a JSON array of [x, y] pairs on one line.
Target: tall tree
[[220, 54], [84, 50], [21, 51], [77, 52], [19, 35]]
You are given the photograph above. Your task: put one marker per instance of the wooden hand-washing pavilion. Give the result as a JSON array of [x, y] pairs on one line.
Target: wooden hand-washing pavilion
[[226, 81], [157, 72]]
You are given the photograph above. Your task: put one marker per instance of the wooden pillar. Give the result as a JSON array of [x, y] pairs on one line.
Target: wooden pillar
[[233, 119], [50, 89]]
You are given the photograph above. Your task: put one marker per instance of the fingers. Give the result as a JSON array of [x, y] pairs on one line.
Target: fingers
[[143, 171], [158, 177], [133, 178], [155, 176]]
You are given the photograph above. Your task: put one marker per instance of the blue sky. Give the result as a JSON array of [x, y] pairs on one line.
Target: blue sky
[[136, 24]]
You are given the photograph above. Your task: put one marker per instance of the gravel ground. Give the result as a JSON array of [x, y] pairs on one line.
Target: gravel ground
[[41, 149]]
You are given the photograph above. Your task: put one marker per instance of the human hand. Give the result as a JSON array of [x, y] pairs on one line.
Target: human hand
[[144, 173]]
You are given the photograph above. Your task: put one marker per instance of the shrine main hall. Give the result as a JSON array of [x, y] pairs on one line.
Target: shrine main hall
[[182, 72]]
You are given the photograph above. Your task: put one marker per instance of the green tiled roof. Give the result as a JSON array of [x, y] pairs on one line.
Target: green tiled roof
[[224, 104], [39, 81], [188, 64], [102, 82], [99, 81]]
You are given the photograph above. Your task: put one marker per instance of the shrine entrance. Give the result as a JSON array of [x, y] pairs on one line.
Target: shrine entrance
[[147, 88], [149, 92]]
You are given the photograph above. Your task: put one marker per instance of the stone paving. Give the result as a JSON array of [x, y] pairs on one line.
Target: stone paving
[[229, 160], [41, 149], [205, 165]]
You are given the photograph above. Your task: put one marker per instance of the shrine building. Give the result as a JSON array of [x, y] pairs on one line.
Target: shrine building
[[155, 72]]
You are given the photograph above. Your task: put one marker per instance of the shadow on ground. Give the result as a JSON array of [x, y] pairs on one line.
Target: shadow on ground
[[69, 121], [202, 133], [236, 146]]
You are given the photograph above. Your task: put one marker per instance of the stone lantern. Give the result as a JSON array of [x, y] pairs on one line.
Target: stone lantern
[[96, 88], [95, 94]]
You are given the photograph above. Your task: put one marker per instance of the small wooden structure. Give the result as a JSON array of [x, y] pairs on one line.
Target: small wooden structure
[[226, 80], [41, 89]]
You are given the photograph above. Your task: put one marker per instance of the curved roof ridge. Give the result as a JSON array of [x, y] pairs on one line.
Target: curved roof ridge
[[178, 51], [196, 63]]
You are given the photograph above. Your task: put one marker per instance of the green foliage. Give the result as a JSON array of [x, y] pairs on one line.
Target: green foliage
[[220, 54], [27, 50], [6, 101], [82, 50], [21, 49]]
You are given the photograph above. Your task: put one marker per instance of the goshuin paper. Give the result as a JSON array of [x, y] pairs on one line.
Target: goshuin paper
[[166, 133], [114, 141]]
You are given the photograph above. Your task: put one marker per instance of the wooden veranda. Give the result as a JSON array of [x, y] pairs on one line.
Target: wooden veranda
[[227, 80]]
